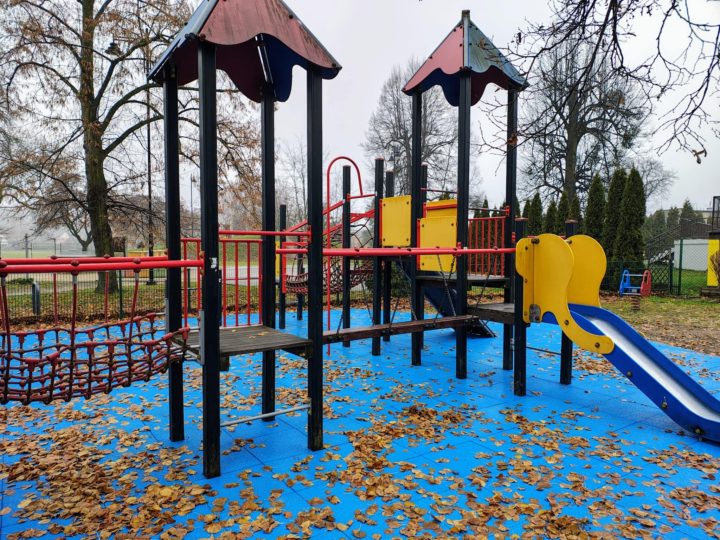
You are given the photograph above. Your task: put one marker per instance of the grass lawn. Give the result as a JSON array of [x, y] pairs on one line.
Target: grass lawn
[[690, 282], [684, 322]]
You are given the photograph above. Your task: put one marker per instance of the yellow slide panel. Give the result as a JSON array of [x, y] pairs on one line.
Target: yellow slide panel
[[547, 263], [438, 232], [395, 221], [588, 272], [713, 247]]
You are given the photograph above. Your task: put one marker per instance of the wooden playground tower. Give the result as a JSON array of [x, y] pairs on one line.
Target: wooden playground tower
[[257, 43]]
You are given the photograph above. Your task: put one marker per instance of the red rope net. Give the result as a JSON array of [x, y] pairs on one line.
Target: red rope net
[[59, 363], [67, 362]]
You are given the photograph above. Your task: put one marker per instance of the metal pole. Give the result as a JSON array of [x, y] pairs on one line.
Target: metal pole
[[281, 295], [315, 257], [346, 244], [680, 268], [192, 208], [377, 264], [417, 301], [463, 203], [566, 346], [210, 313], [173, 282], [268, 244], [510, 188], [151, 238], [265, 416], [520, 375], [388, 264]]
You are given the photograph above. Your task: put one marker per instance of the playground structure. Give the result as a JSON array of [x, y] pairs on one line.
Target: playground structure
[[442, 252], [562, 287], [630, 287]]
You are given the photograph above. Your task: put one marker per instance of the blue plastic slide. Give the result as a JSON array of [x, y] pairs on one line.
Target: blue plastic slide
[[682, 398]]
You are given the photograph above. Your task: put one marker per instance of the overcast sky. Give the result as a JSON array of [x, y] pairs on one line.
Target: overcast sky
[[369, 37]]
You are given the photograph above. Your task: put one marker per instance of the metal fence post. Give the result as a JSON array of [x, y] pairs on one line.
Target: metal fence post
[[680, 269], [35, 293]]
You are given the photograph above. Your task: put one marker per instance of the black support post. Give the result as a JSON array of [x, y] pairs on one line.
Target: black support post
[[173, 283], [463, 204], [520, 375], [417, 300], [282, 301], [268, 245], [346, 262], [566, 346], [210, 314], [423, 186], [377, 263], [387, 263], [315, 257], [510, 189]]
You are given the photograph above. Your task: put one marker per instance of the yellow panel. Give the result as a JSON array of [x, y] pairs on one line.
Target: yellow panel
[[438, 232], [526, 268], [277, 260], [713, 247], [589, 270], [395, 221], [432, 209], [548, 270]]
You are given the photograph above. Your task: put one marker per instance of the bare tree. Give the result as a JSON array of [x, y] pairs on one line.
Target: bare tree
[[573, 131], [59, 209], [681, 69], [74, 74], [74, 79], [292, 177], [390, 132], [656, 178]]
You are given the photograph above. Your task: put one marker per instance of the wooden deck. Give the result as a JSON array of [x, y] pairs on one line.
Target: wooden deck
[[254, 339], [406, 327], [499, 312]]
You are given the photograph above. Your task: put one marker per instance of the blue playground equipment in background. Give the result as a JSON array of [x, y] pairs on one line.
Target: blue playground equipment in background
[[627, 288]]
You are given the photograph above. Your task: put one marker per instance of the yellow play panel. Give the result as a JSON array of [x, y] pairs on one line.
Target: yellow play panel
[[588, 271], [438, 232], [713, 248], [395, 216], [547, 264], [441, 208]]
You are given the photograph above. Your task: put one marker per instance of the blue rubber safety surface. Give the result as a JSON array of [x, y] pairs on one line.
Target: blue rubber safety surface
[[410, 452]]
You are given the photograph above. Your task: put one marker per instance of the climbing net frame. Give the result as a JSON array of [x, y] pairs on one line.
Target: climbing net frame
[[67, 362]]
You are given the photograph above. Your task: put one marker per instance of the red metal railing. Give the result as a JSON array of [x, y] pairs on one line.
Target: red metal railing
[[241, 270], [487, 233]]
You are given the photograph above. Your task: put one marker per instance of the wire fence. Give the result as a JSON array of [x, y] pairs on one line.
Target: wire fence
[[677, 260]]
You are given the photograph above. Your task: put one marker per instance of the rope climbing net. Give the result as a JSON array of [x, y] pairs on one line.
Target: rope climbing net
[[67, 362]]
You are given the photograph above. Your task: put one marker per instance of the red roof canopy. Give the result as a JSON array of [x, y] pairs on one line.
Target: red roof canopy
[[257, 41], [466, 48]]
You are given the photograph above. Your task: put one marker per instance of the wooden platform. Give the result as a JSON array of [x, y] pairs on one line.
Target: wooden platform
[[406, 327], [499, 312], [253, 339], [474, 280]]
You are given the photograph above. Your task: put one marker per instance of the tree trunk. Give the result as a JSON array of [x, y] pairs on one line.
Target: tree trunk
[[92, 145], [573, 140]]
